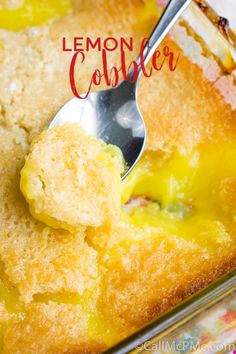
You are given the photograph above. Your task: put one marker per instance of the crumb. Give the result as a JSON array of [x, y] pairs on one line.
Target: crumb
[[72, 179]]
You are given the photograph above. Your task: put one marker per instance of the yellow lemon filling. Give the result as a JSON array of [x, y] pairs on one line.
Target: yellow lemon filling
[[72, 179], [17, 15], [191, 194]]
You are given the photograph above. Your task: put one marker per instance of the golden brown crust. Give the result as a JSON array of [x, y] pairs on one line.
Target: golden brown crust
[[147, 272], [47, 261], [197, 284], [51, 328], [184, 108], [143, 273]]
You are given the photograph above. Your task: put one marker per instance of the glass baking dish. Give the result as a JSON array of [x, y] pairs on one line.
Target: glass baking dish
[[197, 29], [202, 26], [154, 336]]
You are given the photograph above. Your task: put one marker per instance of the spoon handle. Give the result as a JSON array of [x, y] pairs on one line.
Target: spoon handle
[[172, 12]]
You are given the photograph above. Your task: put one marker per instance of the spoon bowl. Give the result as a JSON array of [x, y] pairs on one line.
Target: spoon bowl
[[111, 115]]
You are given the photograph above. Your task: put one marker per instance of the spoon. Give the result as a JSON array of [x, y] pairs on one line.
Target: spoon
[[113, 115]]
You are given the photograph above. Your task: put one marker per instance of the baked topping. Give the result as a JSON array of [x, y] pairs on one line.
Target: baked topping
[[86, 289], [72, 179]]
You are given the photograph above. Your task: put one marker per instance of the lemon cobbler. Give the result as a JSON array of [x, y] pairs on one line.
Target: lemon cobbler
[[72, 179], [85, 258]]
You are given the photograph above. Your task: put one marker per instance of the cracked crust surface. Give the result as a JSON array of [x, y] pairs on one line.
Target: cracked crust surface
[[114, 279]]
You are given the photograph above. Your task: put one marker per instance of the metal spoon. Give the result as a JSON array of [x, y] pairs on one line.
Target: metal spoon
[[113, 115]]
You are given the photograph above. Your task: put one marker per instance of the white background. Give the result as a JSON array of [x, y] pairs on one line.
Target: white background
[[226, 8]]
